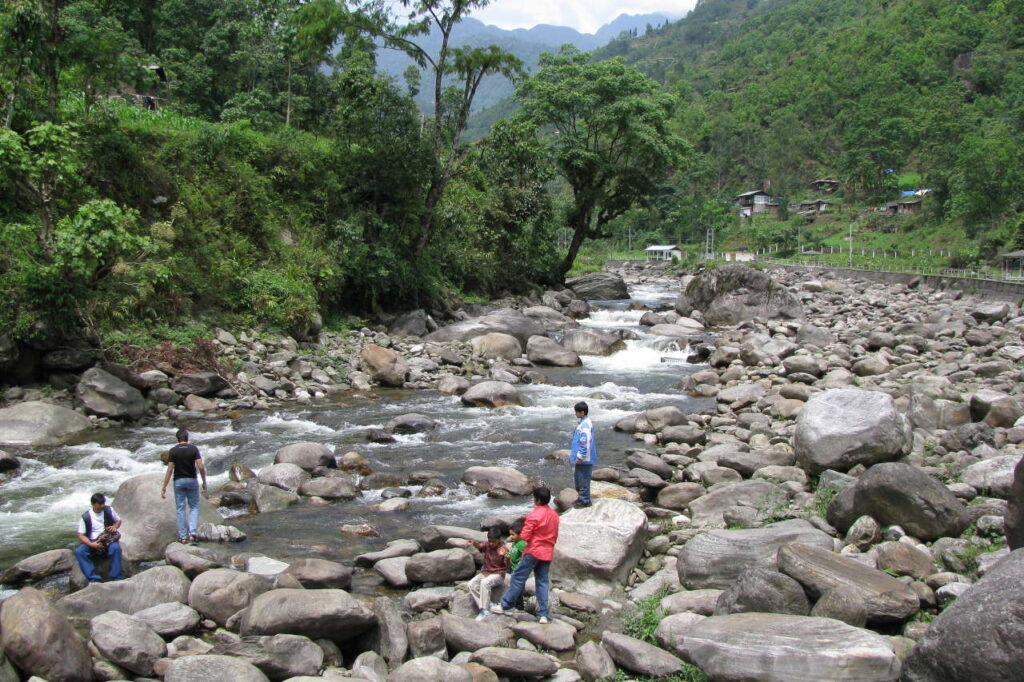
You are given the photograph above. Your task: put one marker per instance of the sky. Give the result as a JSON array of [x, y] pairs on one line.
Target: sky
[[585, 16]]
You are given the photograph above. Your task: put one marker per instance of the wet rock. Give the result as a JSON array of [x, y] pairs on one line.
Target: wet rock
[[308, 456], [515, 662], [320, 574], [841, 428], [268, 498], [439, 566], [331, 614], [719, 557], [487, 479], [288, 477], [598, 546], [386, 366], [765, 591], [592, 342], [198, 383], [213, 668], [127, 641], [602, 286], [40, 640], [412, 422], [452, 386], [544, 351], [785, 648], [38, 424], [330, 489], [639, 656], [154, 586], [885, 598], [491, 394], [380, 479], [220, 593]]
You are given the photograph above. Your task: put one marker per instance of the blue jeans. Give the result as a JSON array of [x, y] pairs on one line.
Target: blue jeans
[[581, 479], [187, 490], [529, 564], [85, 561]]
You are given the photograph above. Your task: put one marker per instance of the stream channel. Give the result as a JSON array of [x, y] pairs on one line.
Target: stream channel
[[39, 509]]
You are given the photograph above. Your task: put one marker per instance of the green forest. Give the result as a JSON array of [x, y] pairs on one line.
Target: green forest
[[170, 163]]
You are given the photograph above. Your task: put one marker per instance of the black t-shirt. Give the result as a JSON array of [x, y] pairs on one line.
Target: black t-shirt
[[184, 456]]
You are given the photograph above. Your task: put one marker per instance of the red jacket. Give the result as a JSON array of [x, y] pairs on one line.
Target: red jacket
[[540, 532]]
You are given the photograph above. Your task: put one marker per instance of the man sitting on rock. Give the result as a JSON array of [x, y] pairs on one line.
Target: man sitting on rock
[[540, 532], [97, 533]]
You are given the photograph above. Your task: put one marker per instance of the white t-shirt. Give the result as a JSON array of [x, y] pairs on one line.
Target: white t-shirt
[[97, 523]]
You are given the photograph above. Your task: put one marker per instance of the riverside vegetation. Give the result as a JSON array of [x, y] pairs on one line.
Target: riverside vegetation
[[836, 512]]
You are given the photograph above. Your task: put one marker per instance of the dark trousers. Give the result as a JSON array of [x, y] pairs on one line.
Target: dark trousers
[[581, 478]]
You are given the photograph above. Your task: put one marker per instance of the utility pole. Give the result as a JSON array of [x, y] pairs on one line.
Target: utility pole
[[709, 244], [849, 262]]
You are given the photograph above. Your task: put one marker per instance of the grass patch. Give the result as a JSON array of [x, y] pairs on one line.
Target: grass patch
[[689, 673], [823, 496], [643, 618]]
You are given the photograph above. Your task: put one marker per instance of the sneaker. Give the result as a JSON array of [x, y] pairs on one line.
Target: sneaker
[[496, 608], [581, 505], [481, 615], [543, 620]]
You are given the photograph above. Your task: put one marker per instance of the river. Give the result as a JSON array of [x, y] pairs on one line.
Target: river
[[41, 506]]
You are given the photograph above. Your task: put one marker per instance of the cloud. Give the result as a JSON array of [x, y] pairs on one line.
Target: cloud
[[584, 15]]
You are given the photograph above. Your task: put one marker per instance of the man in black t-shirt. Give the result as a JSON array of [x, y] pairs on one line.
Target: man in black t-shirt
[[183, 461]]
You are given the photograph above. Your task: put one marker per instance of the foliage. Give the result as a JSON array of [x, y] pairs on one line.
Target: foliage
[[643, 617], [823, 496], [688, 673]]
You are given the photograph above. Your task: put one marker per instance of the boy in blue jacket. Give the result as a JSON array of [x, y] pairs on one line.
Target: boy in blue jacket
[[583, 454]]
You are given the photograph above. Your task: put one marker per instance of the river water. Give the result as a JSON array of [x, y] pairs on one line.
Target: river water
[[39, 509]]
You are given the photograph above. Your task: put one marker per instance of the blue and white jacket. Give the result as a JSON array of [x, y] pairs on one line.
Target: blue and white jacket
[[583, 449]]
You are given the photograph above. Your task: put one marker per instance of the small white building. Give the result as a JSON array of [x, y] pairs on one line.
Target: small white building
[[737, 256], [663, 252]]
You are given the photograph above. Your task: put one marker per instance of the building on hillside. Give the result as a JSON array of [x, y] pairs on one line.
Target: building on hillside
[[826, 185], [757, 201], [901, 207], [810, 209], [738, 256], [1013, 264], [663, 252]]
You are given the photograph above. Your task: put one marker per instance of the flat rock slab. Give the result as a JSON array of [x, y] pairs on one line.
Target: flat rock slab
[[708, 509], [716, 558], [157, 585], [599, 545], [773, 647], [36, 423], [556, 635], [330, 614], [639, 656], [819, 570], [469, 634], [515, 662]]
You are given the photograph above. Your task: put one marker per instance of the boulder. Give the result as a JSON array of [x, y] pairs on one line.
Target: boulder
[[469, 634], [393, 571], [994, 476], [315, 573], [154, 586], [198, 383], [784, 648], [429, 598], [169, 620], [895, 493], [491, 394], [515, 662], [440, 566], [38, 424], [413, 323], [497, 345], [599, 286], [678, 496], [213, 668], [840, 428], [40, 640], [717, 558], [599, 545], [429, 669], [330, 488], [592, 342], [148, 522], [105, 395], [541, 350], [268, 498], [735, 293], [1014, 519], [288, 477], [498, 478], [309, 456], [278, 657], [127, 641], [819, 570], [437, 537], [684, 327], [978, 636], [554, 636], [412, 422], [220, 593], [505, 321], [593, 662], [764, 591], [390, 638], [995, 408], [640, 657], [39, 566], [708, 509], [328, 614], [384, 365]]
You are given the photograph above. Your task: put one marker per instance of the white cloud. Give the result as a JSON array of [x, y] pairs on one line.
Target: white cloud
[[584, 15]]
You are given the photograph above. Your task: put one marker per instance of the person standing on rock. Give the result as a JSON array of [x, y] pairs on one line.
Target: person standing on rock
[[540, 532], [583, 454], [98, 537], [182, 462]]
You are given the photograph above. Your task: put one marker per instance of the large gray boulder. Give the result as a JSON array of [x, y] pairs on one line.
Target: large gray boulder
[[386, 366], [819, 570], [599, 286], [319, 574], [279, 657], [505, 321], [213, 668], [220, 593], [40, 640], [599, 545], [328, 614], [498, 478], [469, 634], [413, 323], [715, 559], [762, 590], [430, 669], [708, 510], [554, 636], [640, 657], [39, 424], [440, 566], [127, 641], [980, 636], [497, 345], [491, 394], [515, 662], [39, 566], [894, 493], [593, 662], [995, 475], [288, 477], [198, 383], [105, 395], [541, 350], [309, 456], [592, 342], [149, 523], [840, 428], [772, 647], [170, 619], [154, 586], [735, 293], [1014, 519]]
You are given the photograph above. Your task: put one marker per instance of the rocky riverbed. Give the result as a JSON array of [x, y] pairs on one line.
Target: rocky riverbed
[[823, 496]]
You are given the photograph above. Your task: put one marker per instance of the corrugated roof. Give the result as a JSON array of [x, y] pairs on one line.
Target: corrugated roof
[[662, 247]]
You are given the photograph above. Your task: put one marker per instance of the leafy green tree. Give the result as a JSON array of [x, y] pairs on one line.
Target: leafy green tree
[[610, 138]]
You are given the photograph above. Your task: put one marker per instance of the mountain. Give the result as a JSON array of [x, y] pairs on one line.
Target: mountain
[[527, 44]]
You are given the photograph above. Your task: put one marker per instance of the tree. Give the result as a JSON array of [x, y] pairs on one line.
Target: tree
[[610, 136]]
